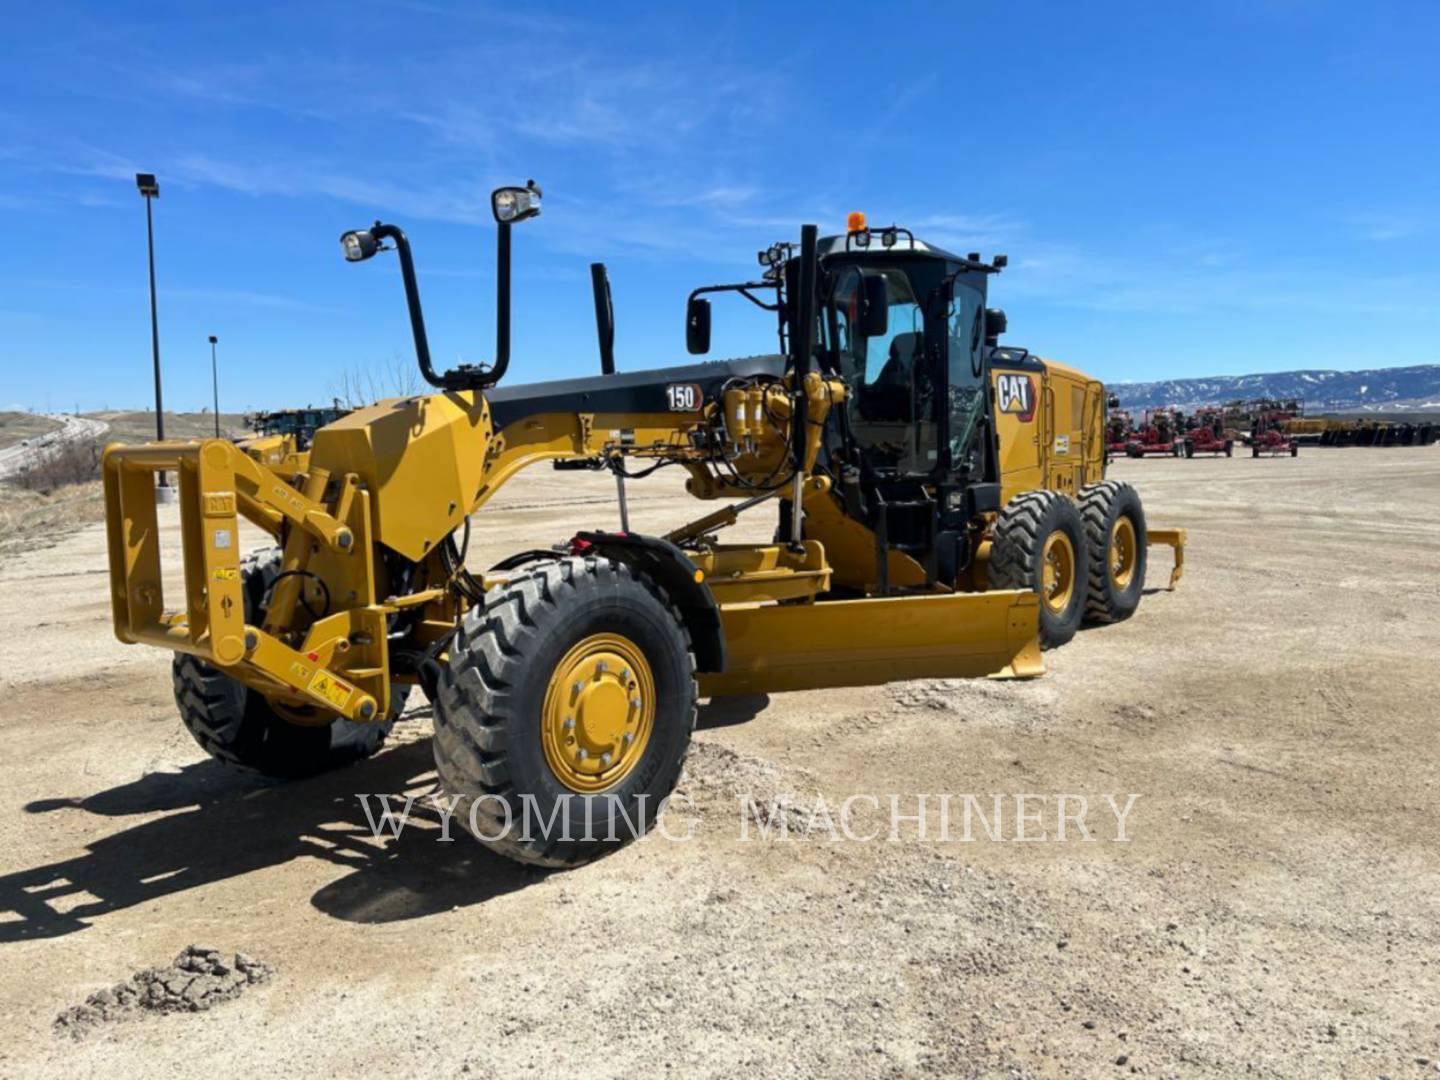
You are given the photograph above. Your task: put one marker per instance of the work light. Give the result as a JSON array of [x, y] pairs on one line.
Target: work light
[[511, 204], [358, 245]]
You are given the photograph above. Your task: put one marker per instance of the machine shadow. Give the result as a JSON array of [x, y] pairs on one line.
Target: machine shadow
[[729, 711], [225, 825]]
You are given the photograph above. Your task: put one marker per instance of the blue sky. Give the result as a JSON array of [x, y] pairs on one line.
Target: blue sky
[[1182, 189]]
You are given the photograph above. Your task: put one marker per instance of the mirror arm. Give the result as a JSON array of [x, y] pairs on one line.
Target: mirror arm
[[412, 298], [492, 375], [744, 290]]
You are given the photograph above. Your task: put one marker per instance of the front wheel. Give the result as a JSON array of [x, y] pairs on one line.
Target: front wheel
[[565, 711], [236, 725], [1039, 544]]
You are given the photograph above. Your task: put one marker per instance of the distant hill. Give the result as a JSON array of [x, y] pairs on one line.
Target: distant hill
[[17, 426], [1405, 389], [130, 427]]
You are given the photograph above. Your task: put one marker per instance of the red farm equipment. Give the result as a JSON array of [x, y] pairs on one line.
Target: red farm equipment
[[1158, 433], [1206, 433], [1268, 435], [1119, 429]]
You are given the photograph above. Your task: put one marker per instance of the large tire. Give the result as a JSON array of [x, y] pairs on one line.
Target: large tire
[[1034, 529], [1115, 531], [237, 726], [510, 669]]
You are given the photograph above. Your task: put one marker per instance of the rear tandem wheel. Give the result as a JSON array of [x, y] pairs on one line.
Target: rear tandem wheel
[[1115, 529], [1039, 544]]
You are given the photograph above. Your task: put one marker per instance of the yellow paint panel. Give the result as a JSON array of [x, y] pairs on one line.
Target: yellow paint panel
[[1049, 424]]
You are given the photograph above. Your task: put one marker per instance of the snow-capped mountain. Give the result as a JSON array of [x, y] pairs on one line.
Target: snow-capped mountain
[[1404, 389]]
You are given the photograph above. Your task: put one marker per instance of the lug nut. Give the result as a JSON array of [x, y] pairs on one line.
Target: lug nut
[[634, 702], [569, 722], [581, 755], [625, 674], [604, 759], [601, 668], [629, 737], [579, 687]]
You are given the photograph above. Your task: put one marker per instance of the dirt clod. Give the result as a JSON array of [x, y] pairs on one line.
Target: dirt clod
[[198, 979]]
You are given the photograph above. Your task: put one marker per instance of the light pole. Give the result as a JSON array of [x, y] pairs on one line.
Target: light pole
[[215, 382], [150, 189]]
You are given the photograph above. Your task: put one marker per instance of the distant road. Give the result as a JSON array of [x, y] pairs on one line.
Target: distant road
[[72, 429]]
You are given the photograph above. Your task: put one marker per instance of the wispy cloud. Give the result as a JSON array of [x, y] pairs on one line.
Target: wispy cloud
[[246, 298], [1181, 281], [1382, 227]]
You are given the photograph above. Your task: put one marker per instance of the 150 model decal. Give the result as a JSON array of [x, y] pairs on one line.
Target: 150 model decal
[[684, 397]]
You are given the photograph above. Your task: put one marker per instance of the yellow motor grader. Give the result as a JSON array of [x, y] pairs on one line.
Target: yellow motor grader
[[941, 510]]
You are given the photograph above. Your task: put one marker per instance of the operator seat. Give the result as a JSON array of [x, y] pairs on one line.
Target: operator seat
[[890, 396]]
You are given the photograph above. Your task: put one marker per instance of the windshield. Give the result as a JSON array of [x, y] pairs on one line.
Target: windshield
[[891, 403]]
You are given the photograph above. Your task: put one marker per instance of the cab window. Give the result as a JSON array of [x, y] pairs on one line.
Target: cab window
[[965, 392]]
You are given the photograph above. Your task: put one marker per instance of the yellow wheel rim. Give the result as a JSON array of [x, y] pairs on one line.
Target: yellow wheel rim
[[1122, 553], [1057, 579], [598, 714]]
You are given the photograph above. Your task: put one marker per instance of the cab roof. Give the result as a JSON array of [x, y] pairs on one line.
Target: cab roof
[[904, 245]]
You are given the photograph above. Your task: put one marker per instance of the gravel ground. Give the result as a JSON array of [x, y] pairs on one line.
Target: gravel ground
[[1273, 910]]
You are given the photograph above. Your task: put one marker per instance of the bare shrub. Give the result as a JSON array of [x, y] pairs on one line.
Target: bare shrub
[[360, 385], [71, 462]]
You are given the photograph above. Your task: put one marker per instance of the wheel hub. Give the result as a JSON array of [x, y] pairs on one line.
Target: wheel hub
[[1122, 553], [1057, 563], [598, 714]]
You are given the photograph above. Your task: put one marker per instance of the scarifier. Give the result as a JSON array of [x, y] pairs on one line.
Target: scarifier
[[941, 502]]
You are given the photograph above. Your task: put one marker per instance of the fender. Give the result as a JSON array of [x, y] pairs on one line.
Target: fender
[[668, 566]]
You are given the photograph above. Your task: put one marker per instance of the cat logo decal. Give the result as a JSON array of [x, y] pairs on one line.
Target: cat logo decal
[[1016, 394]]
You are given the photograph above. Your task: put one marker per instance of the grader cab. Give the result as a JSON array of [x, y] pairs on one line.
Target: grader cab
[[941, 510]]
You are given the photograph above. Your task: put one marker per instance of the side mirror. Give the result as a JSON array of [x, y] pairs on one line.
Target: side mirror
[[875, 316], [697, 326]]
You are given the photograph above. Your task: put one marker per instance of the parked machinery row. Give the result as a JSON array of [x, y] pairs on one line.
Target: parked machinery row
[[1268, 426]]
